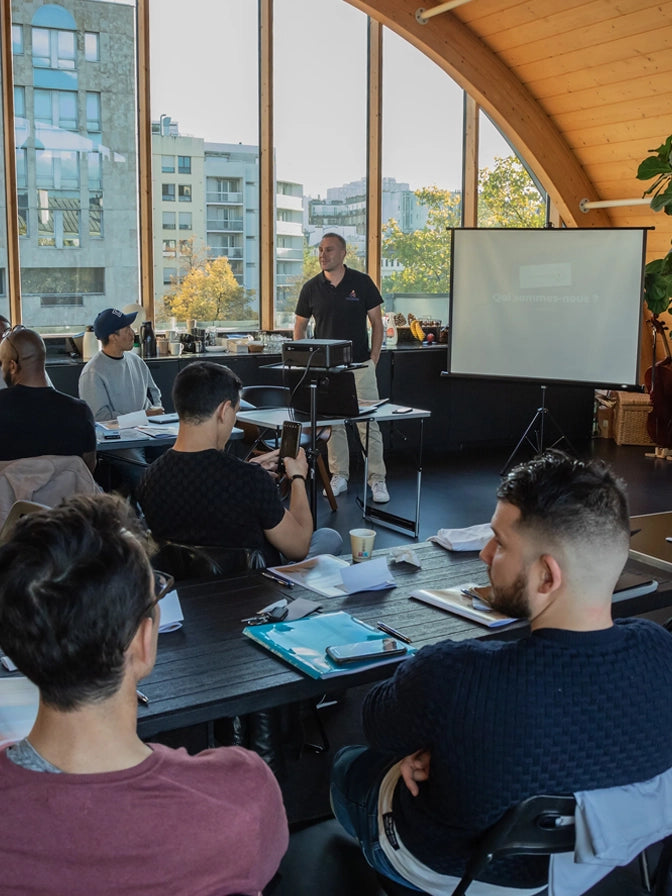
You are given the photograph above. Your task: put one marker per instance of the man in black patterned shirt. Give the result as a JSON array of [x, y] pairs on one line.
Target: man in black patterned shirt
[[198, 494]]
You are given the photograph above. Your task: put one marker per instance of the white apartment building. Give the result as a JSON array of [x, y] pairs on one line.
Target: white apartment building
[[207, 195]]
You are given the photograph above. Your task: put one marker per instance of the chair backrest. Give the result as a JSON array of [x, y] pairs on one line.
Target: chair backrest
[[16, 511], [266, 396], [539, 825], [187, 561], [46, 479]]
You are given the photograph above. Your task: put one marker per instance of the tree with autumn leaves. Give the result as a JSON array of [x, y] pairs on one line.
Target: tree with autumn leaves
[[208, 291]]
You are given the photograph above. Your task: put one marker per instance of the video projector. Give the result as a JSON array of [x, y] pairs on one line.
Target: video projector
[[317, 353]]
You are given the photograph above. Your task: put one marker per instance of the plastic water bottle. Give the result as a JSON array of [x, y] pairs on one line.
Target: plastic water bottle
[[391, 335]]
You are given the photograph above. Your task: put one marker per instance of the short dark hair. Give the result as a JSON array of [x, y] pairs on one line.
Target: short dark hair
[[201, 387], [336, 236], [74, 582], [562, 496]]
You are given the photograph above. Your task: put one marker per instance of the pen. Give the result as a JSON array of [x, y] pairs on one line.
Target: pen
[[142, 698], [392, 631], [267, 575]]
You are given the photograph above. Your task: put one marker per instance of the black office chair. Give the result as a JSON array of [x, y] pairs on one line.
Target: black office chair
[[265, 440], [188, 561], [539, 825]]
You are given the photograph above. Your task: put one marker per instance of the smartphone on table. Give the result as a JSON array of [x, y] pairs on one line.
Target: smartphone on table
[[378, 649], [290, 441]]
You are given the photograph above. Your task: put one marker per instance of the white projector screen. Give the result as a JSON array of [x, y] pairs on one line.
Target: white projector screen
[[547, 304]]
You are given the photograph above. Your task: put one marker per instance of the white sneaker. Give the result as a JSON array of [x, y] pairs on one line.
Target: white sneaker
[[339, 484], [380, 492]]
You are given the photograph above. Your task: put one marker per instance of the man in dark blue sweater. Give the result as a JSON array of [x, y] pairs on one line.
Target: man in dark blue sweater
[[580, 703]]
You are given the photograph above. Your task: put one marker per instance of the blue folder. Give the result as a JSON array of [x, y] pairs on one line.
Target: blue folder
[[304, 642]]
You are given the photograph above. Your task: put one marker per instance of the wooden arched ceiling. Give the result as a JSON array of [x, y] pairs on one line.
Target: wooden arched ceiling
[[581, 88]]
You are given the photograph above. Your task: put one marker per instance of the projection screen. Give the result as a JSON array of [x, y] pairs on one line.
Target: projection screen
[[547, 304]]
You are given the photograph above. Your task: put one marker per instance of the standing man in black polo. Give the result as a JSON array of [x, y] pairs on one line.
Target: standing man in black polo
[[342, 300]]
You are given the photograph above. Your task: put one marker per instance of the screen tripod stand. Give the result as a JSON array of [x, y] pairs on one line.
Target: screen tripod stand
[[535, 433]]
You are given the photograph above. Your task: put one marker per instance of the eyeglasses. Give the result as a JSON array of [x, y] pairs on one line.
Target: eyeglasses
[[8, 336], [19, 357], [163, 584]]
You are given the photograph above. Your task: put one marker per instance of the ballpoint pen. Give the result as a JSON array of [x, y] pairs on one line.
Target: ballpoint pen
[[142, 698], [392, 631], [278, 581]]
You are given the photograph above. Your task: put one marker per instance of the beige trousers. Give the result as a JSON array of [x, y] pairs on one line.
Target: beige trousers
[[337, 446]]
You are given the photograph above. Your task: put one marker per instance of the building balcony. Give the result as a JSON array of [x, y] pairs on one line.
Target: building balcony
[[224, 198], [224, 252], [285, 254], [234, 225]]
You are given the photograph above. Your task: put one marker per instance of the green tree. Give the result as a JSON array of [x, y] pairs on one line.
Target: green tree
[[209, 292], [424, 253], [507, 196], [287, 295]]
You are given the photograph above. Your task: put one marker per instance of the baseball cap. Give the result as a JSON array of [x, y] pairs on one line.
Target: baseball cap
[[110, 320]]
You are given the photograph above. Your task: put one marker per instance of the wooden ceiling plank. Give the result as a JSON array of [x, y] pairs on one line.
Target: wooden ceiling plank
[[629, 92], [487, 19], [593, 24], [615, 112], [595, 77]]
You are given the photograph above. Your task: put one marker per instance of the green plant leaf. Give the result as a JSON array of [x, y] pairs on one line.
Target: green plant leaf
[[652, 167]]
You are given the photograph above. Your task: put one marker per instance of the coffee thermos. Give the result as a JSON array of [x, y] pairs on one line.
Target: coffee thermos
[[147, 340], [89, 344]]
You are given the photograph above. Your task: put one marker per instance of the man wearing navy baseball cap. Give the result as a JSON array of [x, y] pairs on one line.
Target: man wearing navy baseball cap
[[116, 380]]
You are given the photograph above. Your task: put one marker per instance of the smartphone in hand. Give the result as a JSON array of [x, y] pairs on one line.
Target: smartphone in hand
[[290, 441]]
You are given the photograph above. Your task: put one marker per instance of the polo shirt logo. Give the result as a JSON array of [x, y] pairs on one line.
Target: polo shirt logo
[[352, 296]]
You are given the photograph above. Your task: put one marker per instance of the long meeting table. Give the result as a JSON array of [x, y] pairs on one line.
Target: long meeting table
[[208, 669]]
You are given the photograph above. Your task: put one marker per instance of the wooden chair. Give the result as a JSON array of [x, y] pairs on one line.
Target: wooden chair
[[265, 440]]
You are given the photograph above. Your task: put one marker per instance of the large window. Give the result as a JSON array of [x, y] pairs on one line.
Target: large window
[[76, 153], [321, 153], [77, 161], [204, 104]]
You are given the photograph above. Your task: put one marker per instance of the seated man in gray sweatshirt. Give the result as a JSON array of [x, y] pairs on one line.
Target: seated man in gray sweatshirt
[[117, 381]]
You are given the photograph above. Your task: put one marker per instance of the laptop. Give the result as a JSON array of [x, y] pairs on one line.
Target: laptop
[[336, 396]]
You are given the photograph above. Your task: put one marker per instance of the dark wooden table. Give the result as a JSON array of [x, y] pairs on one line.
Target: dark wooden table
[[208, 669]]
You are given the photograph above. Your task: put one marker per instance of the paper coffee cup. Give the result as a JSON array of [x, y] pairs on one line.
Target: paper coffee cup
[[361, 544]]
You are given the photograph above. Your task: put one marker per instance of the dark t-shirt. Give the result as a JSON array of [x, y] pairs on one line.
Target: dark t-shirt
[[36, 421], [211, 498], [340, 312]]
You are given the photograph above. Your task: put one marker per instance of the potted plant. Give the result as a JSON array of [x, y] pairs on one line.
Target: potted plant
[[658, 273]]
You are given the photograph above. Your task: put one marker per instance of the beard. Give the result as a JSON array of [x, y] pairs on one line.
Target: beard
[[511, 599]]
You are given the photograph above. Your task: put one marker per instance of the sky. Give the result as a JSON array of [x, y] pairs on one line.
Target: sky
[[204, 75]]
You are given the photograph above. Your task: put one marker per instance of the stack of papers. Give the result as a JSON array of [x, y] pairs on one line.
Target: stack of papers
[[333, 577]]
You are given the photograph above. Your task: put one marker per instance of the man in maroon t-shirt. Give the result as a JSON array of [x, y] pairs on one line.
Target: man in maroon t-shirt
[[87, 807]]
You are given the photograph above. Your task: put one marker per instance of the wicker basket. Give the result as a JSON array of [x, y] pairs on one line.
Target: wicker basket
[[630, 415]]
